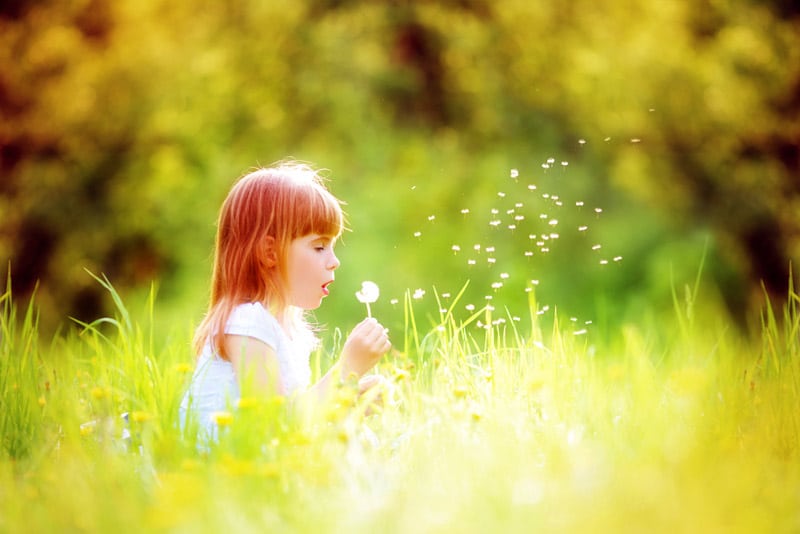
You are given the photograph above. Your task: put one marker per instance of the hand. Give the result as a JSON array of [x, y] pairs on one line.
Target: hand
[[364, 346]]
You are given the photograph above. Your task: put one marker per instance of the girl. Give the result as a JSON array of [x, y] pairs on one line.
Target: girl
[[273, 259]]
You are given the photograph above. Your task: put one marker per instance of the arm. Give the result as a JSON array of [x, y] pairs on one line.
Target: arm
[[363, 348], [256, 366]]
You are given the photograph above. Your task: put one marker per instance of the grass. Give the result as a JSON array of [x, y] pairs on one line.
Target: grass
[[681, 426]]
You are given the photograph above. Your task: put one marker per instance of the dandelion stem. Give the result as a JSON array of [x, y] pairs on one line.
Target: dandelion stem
[[369, 311]]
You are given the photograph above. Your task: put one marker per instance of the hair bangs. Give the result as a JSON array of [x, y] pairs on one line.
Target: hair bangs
[[323, 214]]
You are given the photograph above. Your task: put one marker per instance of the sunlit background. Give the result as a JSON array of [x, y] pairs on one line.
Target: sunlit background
[[597, 154]]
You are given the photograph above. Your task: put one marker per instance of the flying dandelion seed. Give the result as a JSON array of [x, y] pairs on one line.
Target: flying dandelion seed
[[544, 216], [519, 217], [487, 297], [583, 228], [582, 141], [393, 302], [541, 243], [495, 222], [636, 140], [564, 163], [545, 250], [518, 205], [495, 211], [573, 319], [532, 187], [617, 258], [470, 307], [489, 249], [528, 289], [417, 234], [531, 236], [597, 247], [553, 222], [514, 173], [501, 194], [445, 295], [510, 212], [418, 294], [528, 253], [465, 211], [598, 210], [545, 237], [551, 160], [497, 285], [535, 282], [559, 203], [545, 166], [431, 217], [545, 195], [587, 322], [504, 276], [471, 262], [512, 226], [607, 139], [477, 247], [603, 262], [492, 260], [579, 203], [580, 332], [554, 236], [455, 248]]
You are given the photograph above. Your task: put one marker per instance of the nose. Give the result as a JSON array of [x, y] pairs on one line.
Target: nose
[[333, 262]]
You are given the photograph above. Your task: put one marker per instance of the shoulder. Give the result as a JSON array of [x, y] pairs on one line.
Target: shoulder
[[252, 319]]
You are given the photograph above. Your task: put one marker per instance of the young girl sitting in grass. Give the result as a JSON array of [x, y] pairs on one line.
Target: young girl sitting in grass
[[274, 259]]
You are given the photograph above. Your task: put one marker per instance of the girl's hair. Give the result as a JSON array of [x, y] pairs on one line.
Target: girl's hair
[[263, 213]]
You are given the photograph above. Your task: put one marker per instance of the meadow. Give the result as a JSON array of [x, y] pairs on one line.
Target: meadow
[[486, 423]]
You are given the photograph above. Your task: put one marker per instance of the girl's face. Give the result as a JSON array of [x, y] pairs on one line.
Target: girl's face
[[309, 270]]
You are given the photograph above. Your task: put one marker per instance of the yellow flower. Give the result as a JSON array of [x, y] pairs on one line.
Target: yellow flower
[[42, 401], [87, 429], [183, 368], [246, 402], [222, 418], [140, 417], [460, 391], [99, 393]]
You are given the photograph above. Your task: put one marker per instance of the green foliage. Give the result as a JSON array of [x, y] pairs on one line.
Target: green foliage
[[118, 144]]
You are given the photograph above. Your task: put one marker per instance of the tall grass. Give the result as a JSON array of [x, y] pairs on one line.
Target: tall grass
[[485, 425]]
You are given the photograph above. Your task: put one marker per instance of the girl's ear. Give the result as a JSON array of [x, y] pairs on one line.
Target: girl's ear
[[269, 252]]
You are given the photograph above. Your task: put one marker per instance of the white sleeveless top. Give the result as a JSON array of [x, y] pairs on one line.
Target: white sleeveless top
[[215, 387]]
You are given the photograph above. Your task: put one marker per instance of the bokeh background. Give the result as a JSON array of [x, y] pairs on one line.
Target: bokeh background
[[667, 133]]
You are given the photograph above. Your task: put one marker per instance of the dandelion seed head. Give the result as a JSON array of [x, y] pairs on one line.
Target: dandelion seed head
[[368, 293]]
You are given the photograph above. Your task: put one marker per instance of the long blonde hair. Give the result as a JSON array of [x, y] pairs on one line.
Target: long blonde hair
[[263, 213]]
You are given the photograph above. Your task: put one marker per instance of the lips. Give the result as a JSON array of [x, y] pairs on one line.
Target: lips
[[325, 290]]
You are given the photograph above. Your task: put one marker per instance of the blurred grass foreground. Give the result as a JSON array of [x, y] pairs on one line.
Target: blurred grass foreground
[[485, 425]]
